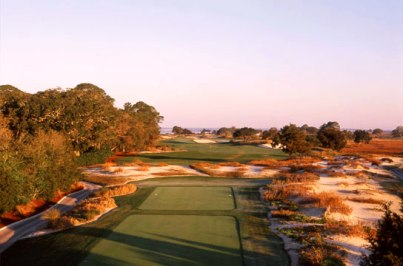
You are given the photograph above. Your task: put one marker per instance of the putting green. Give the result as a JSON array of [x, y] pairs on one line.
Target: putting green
[[170, 240], [190, 198]]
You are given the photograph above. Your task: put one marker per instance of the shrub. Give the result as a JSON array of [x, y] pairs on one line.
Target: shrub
[[52, 216], [65, 222], [386, 246], [116, 191]]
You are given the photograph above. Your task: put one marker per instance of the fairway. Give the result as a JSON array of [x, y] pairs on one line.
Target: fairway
[[170, 240], [191, 152], [190, 198]]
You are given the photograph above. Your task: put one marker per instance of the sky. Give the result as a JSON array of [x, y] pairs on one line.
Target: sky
[[213, 63]]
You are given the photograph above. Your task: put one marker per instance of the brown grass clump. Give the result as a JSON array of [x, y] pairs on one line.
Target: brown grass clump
[[88, 209], [233, 164], [65, 222], [358, 229], [51, 216], [171, 172], [270, 163], [365, 200], [212, 169], [107, 166], [297, 177], [105, 180], [304, 163], [332, 202], [161, 164], [281, 190], [318, 255], [376, 146], [116, 191], [336, 174]]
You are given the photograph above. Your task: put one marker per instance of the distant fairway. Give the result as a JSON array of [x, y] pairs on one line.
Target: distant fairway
[[190, 198], [213, 153], [170, 240]]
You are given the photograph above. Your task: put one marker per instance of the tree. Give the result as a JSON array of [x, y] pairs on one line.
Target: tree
[[269, 134], [245, 133], [137, 126], [293, 140], [330, 136], [386, 246], [377, 132], [397, 132], [226, 132], [362, 136], [181, 131], [309, 130]]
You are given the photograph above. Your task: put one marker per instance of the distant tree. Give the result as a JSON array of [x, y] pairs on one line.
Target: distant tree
[[348, 134], [377, 132], [293, 140], [386, 246], [245, 133], [205, 131], [331, 137], [269, 134], [397, 132], [226, 132], [309, 130], [181, 131], [177, 130], [187, 131], [362, 136]]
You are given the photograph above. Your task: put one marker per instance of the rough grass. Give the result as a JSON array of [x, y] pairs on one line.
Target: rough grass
[[116, 191], [106, 180], [376, 146], [213, 169]]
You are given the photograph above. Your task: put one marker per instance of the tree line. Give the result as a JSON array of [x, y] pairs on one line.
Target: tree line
[[45, 136]]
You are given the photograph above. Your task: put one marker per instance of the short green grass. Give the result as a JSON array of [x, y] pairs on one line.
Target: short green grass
[[189, 198], [213, 153], [71, 247], [170, 240]]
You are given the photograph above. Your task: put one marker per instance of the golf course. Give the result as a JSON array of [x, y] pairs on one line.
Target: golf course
[[186, 220]]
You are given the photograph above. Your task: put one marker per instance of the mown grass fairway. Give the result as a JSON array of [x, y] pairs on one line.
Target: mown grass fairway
[[164, 236], [170, 240], [213, 153], [189, 198]]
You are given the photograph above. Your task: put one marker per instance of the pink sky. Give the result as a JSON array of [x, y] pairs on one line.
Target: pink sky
[[217, 63]]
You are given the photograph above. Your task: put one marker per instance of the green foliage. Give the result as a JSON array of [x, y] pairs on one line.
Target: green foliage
[[181, 131], [397, 132], [331, 137], [362, 136], [226, 132], [377, 132], [269, 134], [293, 140], [94, 157], [245, 133], [386, 246]]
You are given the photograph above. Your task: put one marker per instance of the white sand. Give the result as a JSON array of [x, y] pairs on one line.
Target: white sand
[[204, 141]]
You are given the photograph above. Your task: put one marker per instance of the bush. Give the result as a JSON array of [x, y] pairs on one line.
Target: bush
[[52, 216], [116, 191], [386, 246]]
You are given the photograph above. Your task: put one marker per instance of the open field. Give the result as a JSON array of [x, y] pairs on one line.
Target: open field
[[170, 240], [209, 152], [189, 198], [256, 243], [376, 146]]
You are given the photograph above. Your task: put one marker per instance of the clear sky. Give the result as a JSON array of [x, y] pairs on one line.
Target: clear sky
[[212, 63]]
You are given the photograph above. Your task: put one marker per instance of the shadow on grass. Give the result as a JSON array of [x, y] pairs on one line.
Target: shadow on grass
[[165, 251]]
